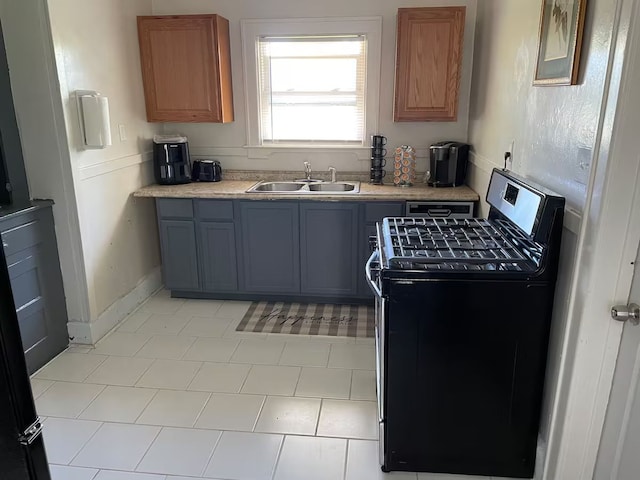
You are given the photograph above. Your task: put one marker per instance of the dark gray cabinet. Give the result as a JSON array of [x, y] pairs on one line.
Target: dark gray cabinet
[[270, 247], [273, 249], [372, 213], [31, 251], [329, 240], [179, 254], [217, 245], [218, 257]]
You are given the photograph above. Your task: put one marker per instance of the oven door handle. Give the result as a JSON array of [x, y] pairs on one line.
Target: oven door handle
[[372, 283]]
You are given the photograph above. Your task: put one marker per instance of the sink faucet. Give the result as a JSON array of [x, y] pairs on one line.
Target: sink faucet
[[307, 170], [333, 174]]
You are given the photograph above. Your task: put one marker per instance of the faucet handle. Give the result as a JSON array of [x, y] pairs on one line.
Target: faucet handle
[[333, 174]]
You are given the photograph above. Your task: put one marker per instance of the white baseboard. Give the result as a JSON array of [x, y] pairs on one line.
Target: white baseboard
[[90, 333]]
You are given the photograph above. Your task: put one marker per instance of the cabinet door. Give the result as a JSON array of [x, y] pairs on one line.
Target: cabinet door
[[186, 68], [329, 248], [428, 63], [271, 247], [218, 257], [36, 284], [373, 212], [179, 255]]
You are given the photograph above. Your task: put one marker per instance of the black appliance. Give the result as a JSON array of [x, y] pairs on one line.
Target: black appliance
[[22, 452], [206, 171], [171, 162], [448, 164], [463, 311]]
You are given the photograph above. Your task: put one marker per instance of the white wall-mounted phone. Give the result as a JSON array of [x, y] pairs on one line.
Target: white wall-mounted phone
[[93, 113]]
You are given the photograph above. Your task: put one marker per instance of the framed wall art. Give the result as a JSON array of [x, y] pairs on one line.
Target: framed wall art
[[561, 25]]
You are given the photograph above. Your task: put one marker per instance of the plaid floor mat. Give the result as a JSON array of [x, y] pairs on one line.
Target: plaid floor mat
[[309, 319]]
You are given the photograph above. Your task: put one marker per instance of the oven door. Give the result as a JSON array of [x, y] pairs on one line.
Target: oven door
[[373, 278]]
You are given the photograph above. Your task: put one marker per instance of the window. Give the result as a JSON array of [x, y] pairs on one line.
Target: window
[[312, 89], [316, 81]]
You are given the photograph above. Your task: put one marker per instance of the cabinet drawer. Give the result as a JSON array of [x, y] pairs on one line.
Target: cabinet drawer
[[215, 209], [374, 212], [175, 207], [21, 237]]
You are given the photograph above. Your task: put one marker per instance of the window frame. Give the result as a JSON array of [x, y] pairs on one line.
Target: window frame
[[251, 30]]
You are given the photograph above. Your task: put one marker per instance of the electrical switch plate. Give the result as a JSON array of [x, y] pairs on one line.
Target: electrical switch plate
[[583, 165], [123, 132]]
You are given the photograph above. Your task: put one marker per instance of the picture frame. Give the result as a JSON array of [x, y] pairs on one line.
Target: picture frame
[[560, 42]]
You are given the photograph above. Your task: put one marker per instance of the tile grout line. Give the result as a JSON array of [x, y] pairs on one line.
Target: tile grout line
[[346, 459], [148, 448], [278, 455], [245, 378], [85, 443], [295, 388], [315, 430], [260, 410], [210, 457], [144, 373], [104, 387], [146, 406], [234, 351], [45, 390], [351, 386], [204, 405]]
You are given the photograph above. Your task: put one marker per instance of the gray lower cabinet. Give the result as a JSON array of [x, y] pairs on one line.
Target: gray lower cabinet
[[270, 247], [372, 213], [278, 248], [329, 240], [179, 254], [31, 251], [218, 256]]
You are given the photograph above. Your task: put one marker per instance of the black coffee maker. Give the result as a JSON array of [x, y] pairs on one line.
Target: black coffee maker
[[448, 164], [171, 162]]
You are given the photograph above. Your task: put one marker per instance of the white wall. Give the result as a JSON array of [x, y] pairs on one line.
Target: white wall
[[225, 142], [554, 128], [96, 48], [40, 119]]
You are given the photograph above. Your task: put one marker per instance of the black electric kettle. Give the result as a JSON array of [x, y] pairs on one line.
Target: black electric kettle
[[206, 171]]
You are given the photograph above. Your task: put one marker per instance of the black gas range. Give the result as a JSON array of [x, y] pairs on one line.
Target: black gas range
[[463, 311]]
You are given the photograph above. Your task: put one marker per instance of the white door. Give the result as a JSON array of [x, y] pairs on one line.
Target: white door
[[619, 454]]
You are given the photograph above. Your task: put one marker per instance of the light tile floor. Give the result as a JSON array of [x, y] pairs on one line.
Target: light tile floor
[[175, 393]]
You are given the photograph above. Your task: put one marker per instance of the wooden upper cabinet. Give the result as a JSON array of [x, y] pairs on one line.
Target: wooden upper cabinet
[[428, 63], [186, 68]]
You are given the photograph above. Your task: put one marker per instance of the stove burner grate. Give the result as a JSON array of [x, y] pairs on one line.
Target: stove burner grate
[[473, 244]]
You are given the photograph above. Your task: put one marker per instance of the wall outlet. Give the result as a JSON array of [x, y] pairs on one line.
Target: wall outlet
[[583, 165], [123, 132], [509, 153]]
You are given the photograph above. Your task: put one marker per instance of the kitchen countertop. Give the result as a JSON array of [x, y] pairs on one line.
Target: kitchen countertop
[[237, 189]]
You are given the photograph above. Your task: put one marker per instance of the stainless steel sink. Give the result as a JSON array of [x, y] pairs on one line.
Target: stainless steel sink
[[298, 187], [331, 187], [276, 187]]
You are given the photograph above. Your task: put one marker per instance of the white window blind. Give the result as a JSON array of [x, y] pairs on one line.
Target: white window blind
[[312, 89]]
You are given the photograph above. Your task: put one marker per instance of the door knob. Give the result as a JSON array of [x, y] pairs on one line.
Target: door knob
[[630, 312]]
